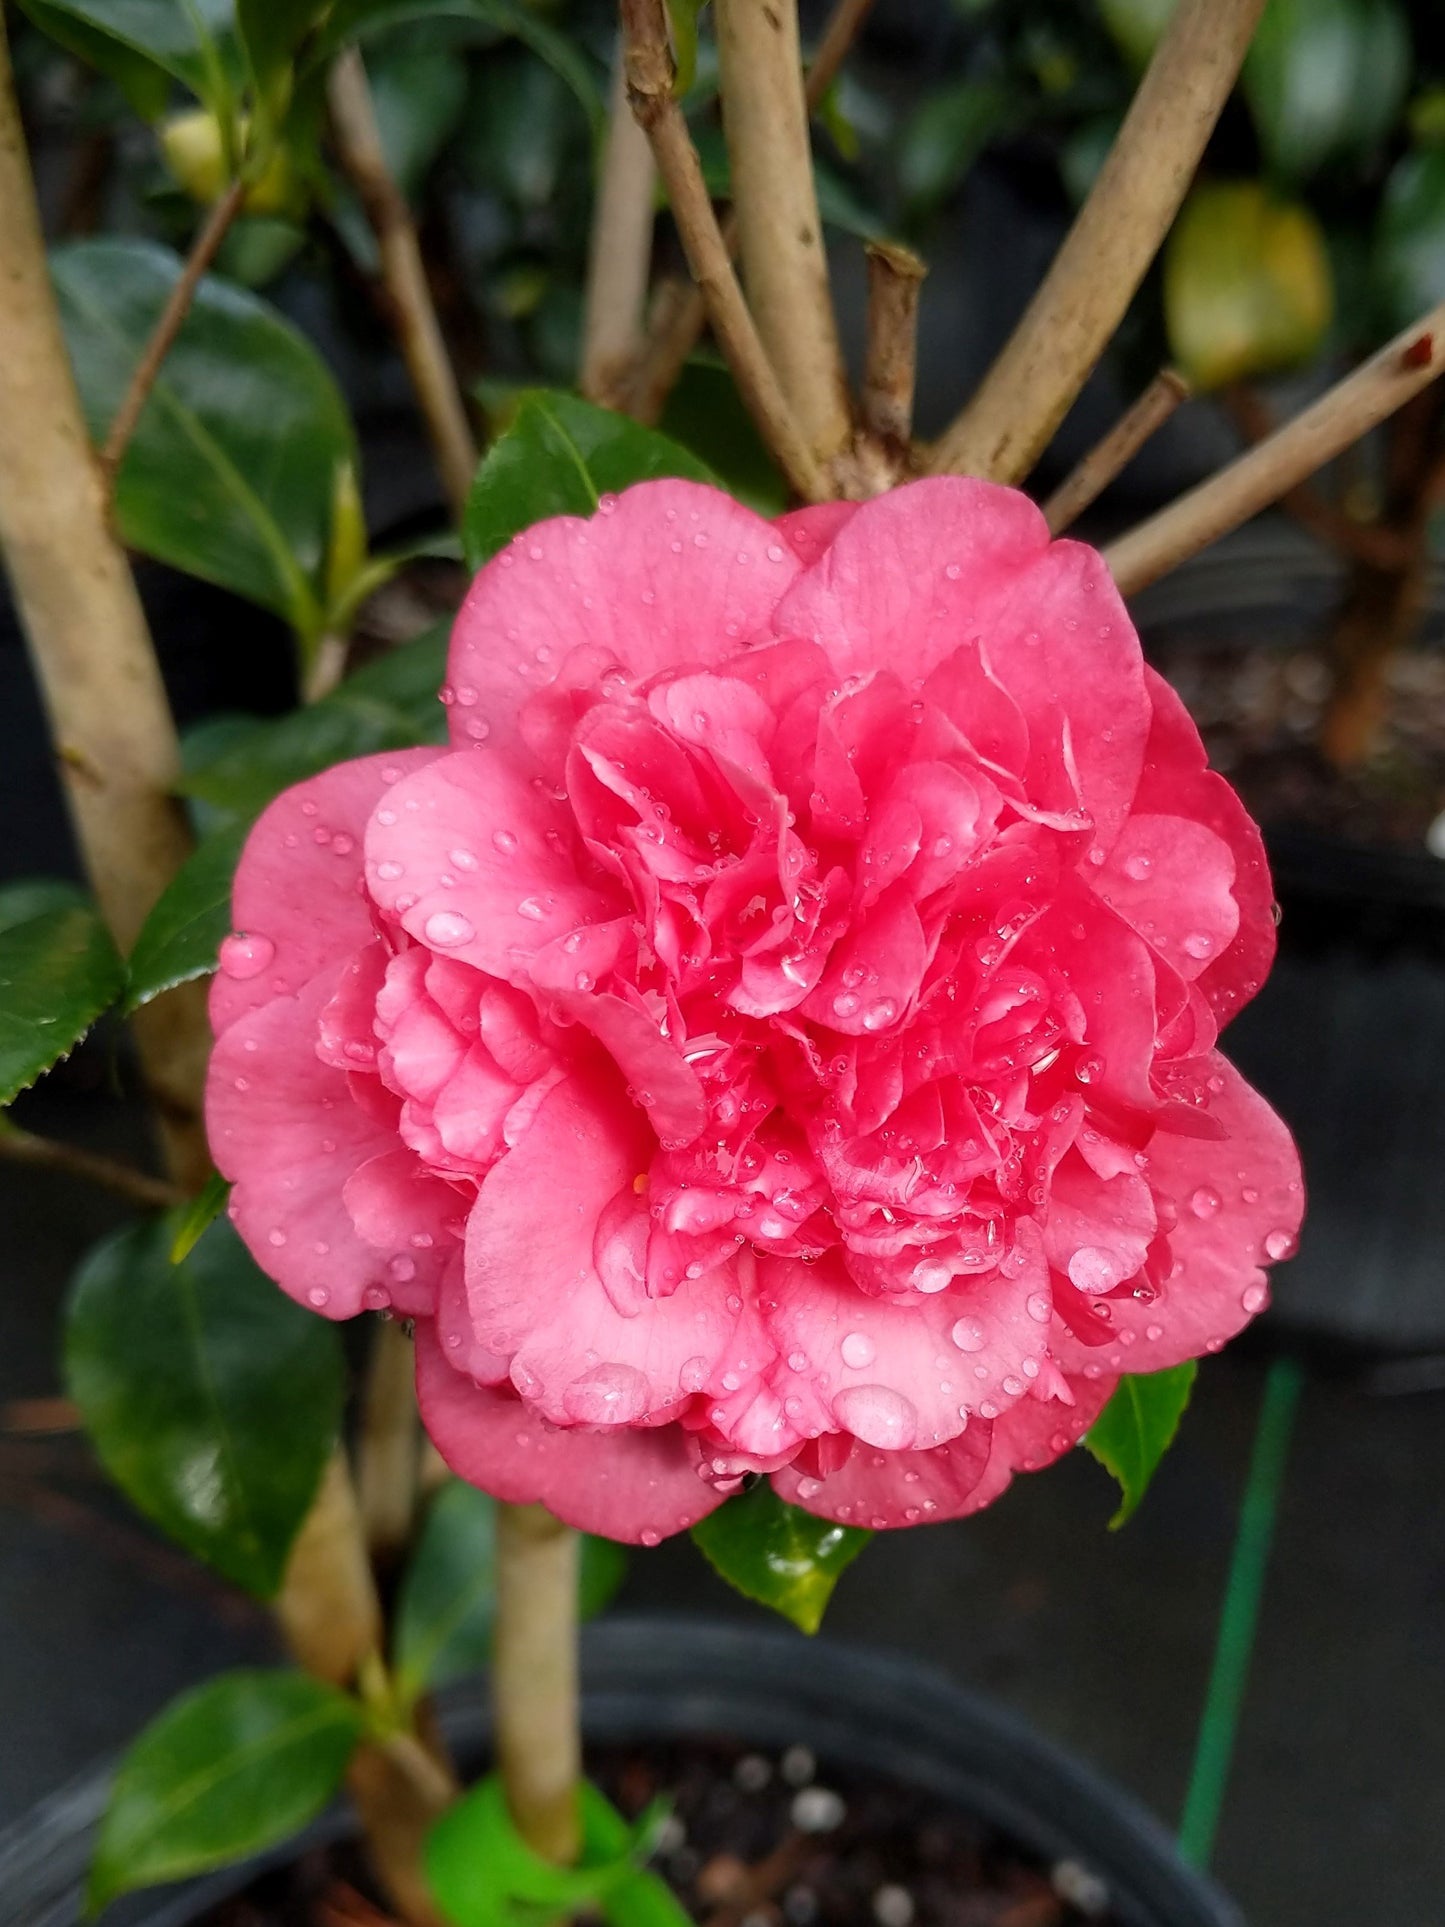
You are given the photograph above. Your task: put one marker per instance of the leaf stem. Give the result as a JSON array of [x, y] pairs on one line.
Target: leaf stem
[[168, 325], [534, 1677], [112, 1174], [414, 317], [1113, 452], [1081, 301], [650, 77], [1274, 466], [620, 254], [1239, 1617]]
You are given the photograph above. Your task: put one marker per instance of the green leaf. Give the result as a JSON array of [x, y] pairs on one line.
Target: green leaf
[[682, 16], [939, 143], [58, 972], [271, 33], [146, 86], [560, 457], [704, 414], [212, 1400], [36, 897], [134, 41], [1247, 285], [482, 1874], [197, 1216], [1137, 1427], [351, 20], [446, 1603], [390, 704], [1326, 80], [778, 1554], [180, 937], [230, 473], [230, 1768], [1410, 238]]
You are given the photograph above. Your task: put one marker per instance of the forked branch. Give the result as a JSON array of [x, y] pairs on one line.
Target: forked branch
[[1118, 231]]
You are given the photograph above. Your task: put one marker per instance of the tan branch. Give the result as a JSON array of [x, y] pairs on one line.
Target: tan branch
[[534, 1677], [680, 325], [114, 738], [113, 1174], [650, 88], [895, 276], [172, 317], [389, 1449], [620, 256], [419, 335], [780, 232], [1262, 475], [1112, 454], [1118, 231]]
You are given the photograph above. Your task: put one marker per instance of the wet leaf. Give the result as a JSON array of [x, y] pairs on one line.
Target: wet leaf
[[58, 972], [1137, 1427], [778, 1554], [179, 939]]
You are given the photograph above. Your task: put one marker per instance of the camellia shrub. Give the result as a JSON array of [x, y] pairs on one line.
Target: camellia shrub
[[748, 1052]]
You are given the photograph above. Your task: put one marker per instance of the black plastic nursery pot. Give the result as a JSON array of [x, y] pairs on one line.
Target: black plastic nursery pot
[[655, 1682]]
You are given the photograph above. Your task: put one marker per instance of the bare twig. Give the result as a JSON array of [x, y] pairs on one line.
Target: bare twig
[[1375, 544], [388, 1451], [679, 326], [419, 335], [1114, 452], [114, 1174], [1348, 410], [1068, 324], [172, 317], [650, 88], [620, 251], [895, 276], [780, 232], [114, 738], [39, 1417], [534, 1677]]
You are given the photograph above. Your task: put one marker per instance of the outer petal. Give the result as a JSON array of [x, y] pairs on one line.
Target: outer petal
[[478, 864], [809, 531], [636, 1485], [881, 1489], [906, 1373], [284, 1128], [297, 893], [1230, 1206], [1176, 779], [670, 573], [552, 1250]]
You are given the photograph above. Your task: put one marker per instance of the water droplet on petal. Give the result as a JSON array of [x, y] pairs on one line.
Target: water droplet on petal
[[1205, 1202], [244, 954], [858, 1350], [1198, 945], [1280, 1244], [968, 1335], [446, 929], [504, 841], [607, 1395], [878, 1416]]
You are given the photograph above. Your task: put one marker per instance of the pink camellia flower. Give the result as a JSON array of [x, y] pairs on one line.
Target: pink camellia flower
[[778, 1035]]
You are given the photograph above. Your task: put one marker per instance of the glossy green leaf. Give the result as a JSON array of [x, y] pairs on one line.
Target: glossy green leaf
[[192, 41], [945, 135], [1410, 238], [446, 1604], [271, 33], [705, 415], [179, 939], [230, 1768], [1137, 1427], [390, 704], [1247, 286], [351, 20], [778, 1554], [482, 1874], [230, 473], [212, 1399], [31, 897], [1325, 80], [198, 1216], [58, 972], [560, 457]]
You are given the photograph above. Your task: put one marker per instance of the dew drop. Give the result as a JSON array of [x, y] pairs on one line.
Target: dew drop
[[1205, 1202], [607, 1395], [1198, 945], [858, 1350], [446, 929], [1138, 866], [318, 1296], [877, 1416], [462, 859], [244, 955], [504, 841], [1254, 1298], [1280, 1244], [968, 1335]]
